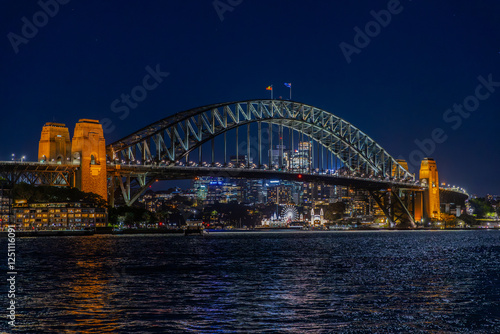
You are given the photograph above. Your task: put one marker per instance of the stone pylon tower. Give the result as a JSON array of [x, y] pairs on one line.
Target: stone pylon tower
[[429, 178], [403, 164], [55, 144], [89, 151]]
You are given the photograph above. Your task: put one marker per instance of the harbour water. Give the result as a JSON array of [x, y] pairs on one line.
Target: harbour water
[[293, 282]]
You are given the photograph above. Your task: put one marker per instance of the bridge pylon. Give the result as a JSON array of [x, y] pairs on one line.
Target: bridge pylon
[[428, 205], [55, 144], [89, 151]]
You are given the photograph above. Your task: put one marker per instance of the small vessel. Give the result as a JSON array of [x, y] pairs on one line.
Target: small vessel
[[195, 227]]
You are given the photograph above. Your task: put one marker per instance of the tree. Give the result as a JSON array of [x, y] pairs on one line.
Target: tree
[[333, 211], [23, 191], [481, 207], [449, 220], [466, 219], [47, 194]]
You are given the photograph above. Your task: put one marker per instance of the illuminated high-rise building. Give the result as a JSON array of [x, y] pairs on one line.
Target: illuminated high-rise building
[[301, 159]]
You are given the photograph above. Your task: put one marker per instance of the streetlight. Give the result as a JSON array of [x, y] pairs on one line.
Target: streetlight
[[13, 156], [23, 158]]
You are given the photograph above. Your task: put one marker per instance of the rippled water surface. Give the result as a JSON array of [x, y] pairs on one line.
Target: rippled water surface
[[296, 282]]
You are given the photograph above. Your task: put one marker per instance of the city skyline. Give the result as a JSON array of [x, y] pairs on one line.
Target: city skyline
[[399, 88]]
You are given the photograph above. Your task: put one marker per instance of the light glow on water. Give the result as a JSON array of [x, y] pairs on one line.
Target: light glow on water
[[295, 282]]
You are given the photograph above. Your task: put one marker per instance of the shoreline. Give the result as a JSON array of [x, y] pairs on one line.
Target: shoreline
[[76, 233]]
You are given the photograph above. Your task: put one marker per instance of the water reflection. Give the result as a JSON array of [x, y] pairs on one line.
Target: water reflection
[[238, 283]]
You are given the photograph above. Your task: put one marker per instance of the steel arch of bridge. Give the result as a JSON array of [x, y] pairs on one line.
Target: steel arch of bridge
[[174, 137]]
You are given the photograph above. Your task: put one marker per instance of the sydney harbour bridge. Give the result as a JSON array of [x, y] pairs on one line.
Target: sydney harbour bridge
[[244, 139]]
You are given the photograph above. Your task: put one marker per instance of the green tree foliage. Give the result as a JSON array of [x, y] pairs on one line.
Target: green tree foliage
[[131, 215], [333, 211], [482, 208], [48, 194], [181, 199], [466, 219], [232, 213]]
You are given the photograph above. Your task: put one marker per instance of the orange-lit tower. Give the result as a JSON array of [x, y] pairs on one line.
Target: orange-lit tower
[[54, 144], [429, 179], [89, 151], [403, 164]]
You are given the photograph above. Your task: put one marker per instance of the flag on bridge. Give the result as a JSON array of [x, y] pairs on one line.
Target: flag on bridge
[[271, 89], [289, 85]]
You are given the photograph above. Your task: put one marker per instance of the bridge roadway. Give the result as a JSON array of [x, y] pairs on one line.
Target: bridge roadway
[[189, 172], [62, 174]]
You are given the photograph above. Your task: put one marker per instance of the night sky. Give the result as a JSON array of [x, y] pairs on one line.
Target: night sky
[[397, 85]]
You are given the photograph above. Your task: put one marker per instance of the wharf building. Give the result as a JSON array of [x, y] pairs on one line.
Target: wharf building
[[5, 207], [58, 216]]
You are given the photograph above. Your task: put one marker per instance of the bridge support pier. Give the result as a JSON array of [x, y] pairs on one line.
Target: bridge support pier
[[131, 187], [395, 203]]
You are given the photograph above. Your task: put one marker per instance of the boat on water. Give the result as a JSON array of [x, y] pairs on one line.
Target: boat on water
[[195, 228]]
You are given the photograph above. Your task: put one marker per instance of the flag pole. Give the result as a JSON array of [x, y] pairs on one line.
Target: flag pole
[[289, 85], [270, 87]]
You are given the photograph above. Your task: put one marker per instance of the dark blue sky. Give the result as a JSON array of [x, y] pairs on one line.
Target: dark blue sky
[[397, 88]]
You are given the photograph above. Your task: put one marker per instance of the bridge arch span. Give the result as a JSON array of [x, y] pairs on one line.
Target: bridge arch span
[[174, 137]]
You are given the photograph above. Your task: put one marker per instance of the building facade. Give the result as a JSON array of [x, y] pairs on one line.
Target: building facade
[[58, 216]]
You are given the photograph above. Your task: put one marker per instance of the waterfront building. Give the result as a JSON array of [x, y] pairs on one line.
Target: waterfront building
[[5, 205], [58, 216], [317, 219]]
